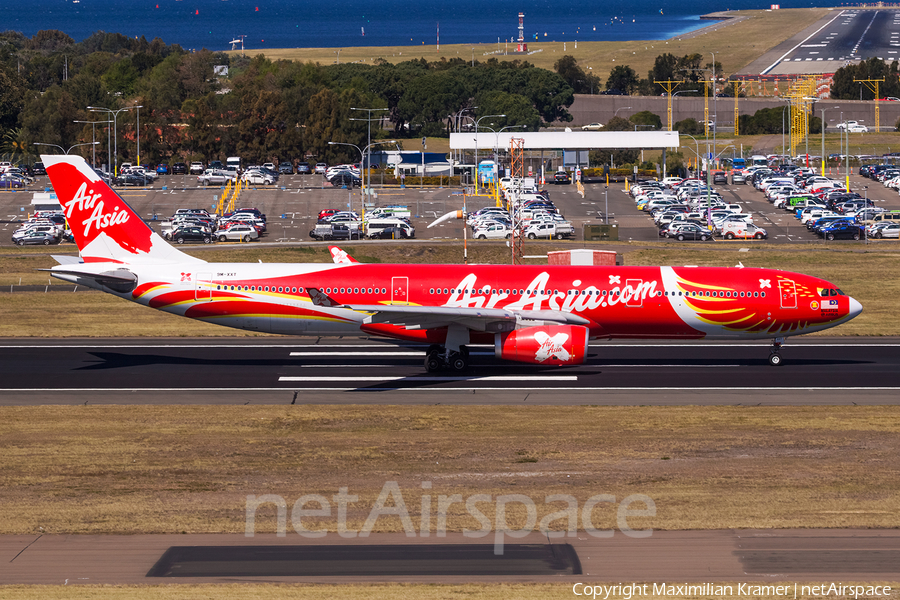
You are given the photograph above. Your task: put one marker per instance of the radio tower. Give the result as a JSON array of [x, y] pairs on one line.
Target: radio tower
[[522, 46]]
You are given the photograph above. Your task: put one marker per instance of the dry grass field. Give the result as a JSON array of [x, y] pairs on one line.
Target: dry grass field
[[735, 45], [171, 469]]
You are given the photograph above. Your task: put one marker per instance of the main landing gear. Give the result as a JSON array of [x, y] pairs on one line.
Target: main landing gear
[[438, 358], [775, 354]]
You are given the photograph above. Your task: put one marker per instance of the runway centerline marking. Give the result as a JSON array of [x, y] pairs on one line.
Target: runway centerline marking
[[436, 378]]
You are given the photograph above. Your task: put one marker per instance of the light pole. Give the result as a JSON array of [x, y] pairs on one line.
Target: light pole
[[616, 114], [715, 102], [368, 120], [63, 149], [497, 136], [93, 150], [782, 126], [138, 107], [457, 116], [115, 116], [361, 155], [697, 144], [477, 121], [823, 135]]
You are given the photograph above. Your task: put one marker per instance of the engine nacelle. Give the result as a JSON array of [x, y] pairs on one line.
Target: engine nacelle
[[544, 345]]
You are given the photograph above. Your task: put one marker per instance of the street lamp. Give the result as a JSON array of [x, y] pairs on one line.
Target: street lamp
[[497, 136], [616, 114], [115, 116], [368, 120], [93, 150], [823, 135], [697, 144], [63, 149], [782, 125], [477, 121], [361, 158]]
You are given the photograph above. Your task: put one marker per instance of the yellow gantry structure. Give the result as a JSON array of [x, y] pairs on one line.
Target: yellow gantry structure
[[669, 86], [226, 203], [736, 114], [801, 94], [872, 84]]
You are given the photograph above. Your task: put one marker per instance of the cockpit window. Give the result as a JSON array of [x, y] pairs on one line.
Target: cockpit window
[[840, 293]]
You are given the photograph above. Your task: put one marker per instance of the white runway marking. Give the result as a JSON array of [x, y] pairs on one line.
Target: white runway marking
[[437, 378], [497, 389]]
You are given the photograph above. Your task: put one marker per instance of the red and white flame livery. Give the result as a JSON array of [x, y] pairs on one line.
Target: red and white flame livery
[[537, 314]]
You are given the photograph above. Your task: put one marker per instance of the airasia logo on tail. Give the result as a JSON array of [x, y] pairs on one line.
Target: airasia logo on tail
[[84, 201], [544, 345]]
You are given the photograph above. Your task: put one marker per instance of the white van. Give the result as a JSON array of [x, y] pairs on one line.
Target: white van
[[376, 226], [235, 162]]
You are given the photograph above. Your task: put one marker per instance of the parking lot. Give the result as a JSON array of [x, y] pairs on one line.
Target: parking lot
[[292, 204]]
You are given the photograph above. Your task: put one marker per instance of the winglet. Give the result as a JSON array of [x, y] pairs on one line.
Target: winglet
[[320, 298], [340, 257]]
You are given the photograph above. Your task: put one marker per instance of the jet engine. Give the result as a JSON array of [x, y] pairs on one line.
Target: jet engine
[[544, 345]]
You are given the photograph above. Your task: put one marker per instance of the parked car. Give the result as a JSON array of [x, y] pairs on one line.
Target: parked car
[[38, 169], [335, 231], [494, 231], [842, 229], [35, 236], [257, 178], [745, 231], [179, 168], [562, 177], [690, 231], [191, 234], [127, 179], [197, 168], [592, 127], [303, 168], [321, 168], [390, 233], [549, 230], [286, 168], [239, 232], [211, 177], [858, 129], [345, 179], [162, 169], [887, 230], [11, 181]]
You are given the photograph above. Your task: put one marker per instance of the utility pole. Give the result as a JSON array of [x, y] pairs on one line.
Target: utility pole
[[669, 86], [872, 84], [367, 158]]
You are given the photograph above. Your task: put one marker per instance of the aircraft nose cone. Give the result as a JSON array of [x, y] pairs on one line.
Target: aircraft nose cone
[[855, 308]]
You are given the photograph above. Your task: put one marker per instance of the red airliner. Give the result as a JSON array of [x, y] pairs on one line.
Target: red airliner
[[533, 314]]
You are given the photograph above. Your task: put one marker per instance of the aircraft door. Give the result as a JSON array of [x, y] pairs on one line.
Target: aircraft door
[[203, 287], [634, 292], [788, 293], [400, 290]]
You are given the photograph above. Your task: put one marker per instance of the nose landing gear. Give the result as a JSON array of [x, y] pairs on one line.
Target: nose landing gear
[[775, 354]]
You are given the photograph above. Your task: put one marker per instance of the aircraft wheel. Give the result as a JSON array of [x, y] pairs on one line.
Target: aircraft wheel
[[775, 359], [458, 362], [433, 362]]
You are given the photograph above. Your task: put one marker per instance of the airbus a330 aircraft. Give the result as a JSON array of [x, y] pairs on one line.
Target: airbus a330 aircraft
[[533, 314]]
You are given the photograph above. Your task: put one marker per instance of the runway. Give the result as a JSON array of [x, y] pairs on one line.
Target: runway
[[277, 370], [672, 557]]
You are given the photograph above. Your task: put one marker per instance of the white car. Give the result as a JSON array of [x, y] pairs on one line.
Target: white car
[[743, 231], [244, 233], [196, 168], [858, 129], [257, 178], [847, 124], [493, 232], [592, 127], [549, 230]]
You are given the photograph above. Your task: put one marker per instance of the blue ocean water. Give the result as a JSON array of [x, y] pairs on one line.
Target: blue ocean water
[[212, 24]]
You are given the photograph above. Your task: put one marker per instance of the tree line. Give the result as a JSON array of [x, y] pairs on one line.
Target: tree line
[[261, 110]]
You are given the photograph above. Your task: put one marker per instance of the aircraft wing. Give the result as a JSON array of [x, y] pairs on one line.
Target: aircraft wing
[[432, 317]]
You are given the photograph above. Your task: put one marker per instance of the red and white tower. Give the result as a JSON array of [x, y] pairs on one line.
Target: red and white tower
[[522, 46]]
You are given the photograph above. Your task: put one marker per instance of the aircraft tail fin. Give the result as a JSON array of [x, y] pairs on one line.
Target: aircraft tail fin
[[105, 227], [340, 257]]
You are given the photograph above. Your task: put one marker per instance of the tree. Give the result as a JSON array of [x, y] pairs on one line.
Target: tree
[[689, 126], [619, 124], [845, 87], [622, 78], [664, 69], [583, 83], [645, 117]]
